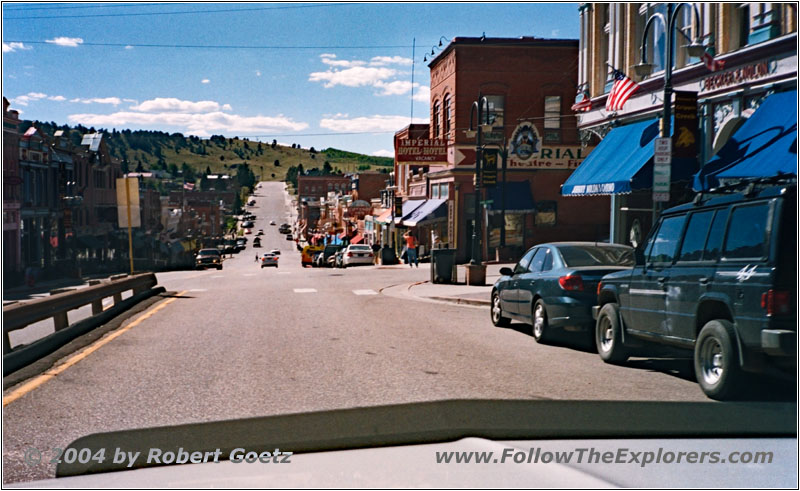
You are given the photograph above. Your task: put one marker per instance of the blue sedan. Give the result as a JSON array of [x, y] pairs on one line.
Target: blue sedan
[[554, 286]]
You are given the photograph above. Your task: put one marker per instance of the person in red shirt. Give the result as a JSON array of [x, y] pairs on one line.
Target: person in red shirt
[[411, 250]]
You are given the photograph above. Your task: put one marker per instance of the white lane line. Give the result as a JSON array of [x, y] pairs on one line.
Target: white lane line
[[365, 292], [198, 290], [217, 276], [305, 290]]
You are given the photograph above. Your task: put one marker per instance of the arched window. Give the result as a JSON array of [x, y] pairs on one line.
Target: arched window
[[436, 120], [447, 115]]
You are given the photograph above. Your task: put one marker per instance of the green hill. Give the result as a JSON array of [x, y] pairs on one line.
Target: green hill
[[156, 150]]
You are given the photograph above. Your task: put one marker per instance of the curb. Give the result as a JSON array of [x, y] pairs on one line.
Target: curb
[[465, 301]]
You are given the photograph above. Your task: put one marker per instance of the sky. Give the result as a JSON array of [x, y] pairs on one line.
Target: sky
[[316, 74]]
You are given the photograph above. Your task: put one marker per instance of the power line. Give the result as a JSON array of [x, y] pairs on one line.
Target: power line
[[63, 7], [211, 46], [138, 14]]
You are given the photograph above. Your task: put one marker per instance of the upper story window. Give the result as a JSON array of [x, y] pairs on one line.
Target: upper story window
[[447, 115], [764, 22], [496, 104], [552, 118], [437, 129]]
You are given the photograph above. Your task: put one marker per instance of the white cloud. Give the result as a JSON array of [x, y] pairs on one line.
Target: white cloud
[[352, 77], [171, 104], [554, 32], [369, 123], [129, 47], [331, 60], [205, 81], [199, 124], [129, 100], [258, 73], [58, 98], [423, 94], [23, 100], [65, 41], [390, 60], [99, 100], [383, 153], [11, 47], [398, 87]]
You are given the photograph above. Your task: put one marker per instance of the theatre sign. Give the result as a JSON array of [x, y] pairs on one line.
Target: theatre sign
[[551, 158], [421, 151]]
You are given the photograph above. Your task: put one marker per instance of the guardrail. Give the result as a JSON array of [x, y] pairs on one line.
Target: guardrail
[[19, 315]]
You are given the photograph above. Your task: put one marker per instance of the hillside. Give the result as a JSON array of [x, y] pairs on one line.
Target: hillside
[[155, 150]]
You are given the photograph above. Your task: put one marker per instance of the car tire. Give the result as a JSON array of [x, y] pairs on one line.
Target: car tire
[[716, 362], [541, 331], [497, 312], [608, 335]]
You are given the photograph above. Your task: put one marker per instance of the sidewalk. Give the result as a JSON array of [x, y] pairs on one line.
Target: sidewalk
[[460, 293]]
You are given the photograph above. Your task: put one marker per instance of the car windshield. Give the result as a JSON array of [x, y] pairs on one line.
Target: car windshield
[[582, 256], [507, 209]]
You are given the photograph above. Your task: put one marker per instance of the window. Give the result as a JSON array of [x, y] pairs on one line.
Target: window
[[666, 241], [747, 237], [436, 120], [548, 261], [538, 260], [546, 214], [523, 263], [764, 22], [552, 118], [695, 237], [435, 191], [444, 191], [496, 104], [447, 115], [711, 252]]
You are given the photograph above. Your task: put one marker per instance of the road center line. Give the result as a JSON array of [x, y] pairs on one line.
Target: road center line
[[305, 290], [75, 358], [365, 292]]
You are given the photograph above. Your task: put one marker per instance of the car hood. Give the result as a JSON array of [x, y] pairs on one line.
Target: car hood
[[390, 431]]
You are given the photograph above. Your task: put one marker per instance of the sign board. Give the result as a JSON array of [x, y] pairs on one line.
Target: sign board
[[686, 132], [132, 198], [451, 223], [662, 169], [398, 206], [489, 177], [421, 151], [494, 136]]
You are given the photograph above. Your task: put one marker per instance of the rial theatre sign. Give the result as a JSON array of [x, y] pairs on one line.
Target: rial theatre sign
[[526, 150]]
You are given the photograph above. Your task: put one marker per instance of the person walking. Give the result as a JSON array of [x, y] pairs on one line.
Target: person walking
[[411, 250], [376, 249]]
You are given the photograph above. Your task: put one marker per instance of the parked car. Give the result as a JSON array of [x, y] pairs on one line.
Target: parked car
[[272, 222], [269, 260], [337, 259], [715, 276], [554, 286], [208, 258], [247, 224], [307, 254], [327, 252], [357, 254], [257, 242], [289, 237], [276, 252], [241, 244]]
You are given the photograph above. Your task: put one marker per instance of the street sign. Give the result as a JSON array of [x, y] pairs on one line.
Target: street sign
[[663, 146], [487, 202], [662, 197], [662, 169]]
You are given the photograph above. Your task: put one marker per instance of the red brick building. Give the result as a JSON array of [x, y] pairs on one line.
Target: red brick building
[[529, 85], [12, 198]]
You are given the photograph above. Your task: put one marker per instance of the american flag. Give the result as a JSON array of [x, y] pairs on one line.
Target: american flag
[[583, 101], [188, 186], [623, 88], [711, 63]]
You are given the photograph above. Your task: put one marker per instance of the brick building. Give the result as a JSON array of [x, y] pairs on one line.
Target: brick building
[[12, 198], [529, 85]]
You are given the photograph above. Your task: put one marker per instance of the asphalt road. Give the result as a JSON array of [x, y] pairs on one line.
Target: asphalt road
[[246, 342]]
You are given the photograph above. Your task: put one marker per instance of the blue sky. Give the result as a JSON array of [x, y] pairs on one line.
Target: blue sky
[[298, 73]]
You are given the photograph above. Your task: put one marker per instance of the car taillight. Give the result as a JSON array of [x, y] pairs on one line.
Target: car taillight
[[775, 302], [349, 254], [369, 254], [599, 287], [572, 283]]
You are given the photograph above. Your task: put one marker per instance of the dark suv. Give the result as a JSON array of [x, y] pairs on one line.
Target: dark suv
[[716, 276]]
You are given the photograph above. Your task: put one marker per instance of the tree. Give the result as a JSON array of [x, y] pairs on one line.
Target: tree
[[274, 143], [221, 157], [277, 163], [326, 168], [208, 169], [312, 150], [173, 169]]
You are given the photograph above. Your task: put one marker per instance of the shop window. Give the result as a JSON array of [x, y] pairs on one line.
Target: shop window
[[546, 214], [443, 191], [552, 118], [435, 191]]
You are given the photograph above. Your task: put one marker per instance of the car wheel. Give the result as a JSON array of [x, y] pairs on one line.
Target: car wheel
[[608, 335], [497, 312], [716, 361], [541, 331]]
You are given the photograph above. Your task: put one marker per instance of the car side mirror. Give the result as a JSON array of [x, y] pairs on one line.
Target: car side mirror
[[506, 271]]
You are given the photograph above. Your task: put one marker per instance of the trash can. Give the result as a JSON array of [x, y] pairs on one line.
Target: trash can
[[442, 263]]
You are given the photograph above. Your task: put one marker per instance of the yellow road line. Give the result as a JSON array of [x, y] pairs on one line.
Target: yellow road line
[[55, 371]]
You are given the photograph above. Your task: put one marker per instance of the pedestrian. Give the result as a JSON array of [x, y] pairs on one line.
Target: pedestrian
[[376, 248], [411, 250], [256, 258]]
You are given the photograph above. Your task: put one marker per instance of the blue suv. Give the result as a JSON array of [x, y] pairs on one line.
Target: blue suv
[[717, 276]]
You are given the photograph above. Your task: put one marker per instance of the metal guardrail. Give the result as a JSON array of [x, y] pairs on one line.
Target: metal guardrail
[[19, 315]]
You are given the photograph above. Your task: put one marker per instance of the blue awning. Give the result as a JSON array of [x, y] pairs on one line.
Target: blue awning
[[429, 210], [518, 197], [765, 145], [408, 207], [622, 163]]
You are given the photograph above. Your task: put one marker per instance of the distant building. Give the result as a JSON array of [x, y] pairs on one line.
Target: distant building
[[12, 196]]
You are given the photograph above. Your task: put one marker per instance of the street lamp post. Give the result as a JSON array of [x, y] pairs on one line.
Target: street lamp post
[[477, 110], [695, 49]]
